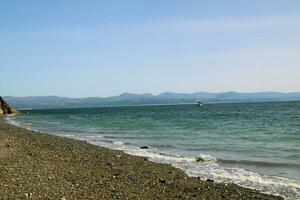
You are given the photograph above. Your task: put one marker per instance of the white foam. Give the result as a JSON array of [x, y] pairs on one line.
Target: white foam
[[69, 135], [94, 136], [289, 189], [27, 123], [156, 157], [206, 158], [207, 168], [118, 143], [12, 121]]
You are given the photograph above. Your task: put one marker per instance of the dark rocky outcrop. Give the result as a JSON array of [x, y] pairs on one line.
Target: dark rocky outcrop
[[5, 107]]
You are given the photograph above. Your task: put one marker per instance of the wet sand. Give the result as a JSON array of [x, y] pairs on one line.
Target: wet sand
[[41, 166]]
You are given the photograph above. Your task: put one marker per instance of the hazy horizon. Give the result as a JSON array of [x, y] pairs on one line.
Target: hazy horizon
[[156, 94], [105, 48]]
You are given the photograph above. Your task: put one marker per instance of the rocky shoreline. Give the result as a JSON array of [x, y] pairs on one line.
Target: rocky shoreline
[[5, 107], [41, 166]]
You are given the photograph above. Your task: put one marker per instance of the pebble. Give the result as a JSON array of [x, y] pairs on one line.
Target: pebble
[[167, 181], [135, 178], [27, 195]]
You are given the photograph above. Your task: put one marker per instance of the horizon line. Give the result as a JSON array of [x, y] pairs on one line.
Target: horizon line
[[149, 93]]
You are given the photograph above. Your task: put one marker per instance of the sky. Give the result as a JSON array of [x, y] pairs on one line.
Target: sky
[[79, 48]]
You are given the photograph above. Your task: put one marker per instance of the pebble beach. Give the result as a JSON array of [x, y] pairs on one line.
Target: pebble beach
[[41, 166]]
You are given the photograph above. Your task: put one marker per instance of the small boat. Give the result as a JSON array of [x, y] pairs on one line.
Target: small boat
[[199, 103]]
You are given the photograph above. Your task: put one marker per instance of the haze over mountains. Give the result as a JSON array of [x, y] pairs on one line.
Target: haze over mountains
[[42, 102]]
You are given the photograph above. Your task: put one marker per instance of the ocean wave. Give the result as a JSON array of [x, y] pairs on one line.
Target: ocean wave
[[258, 163], [159, 157], [118, 143], [11, 120], [27, 123], [69, 135], [289, 189], [162, 146], [206, 159], [208, 168], [120, 136], [96, 137]]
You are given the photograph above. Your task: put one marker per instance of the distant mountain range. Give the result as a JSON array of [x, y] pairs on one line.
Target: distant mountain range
[[126, 99]]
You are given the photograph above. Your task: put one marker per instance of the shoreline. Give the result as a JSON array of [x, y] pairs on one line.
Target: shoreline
[[38, 165]]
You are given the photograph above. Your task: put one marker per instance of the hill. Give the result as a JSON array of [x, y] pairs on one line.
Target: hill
[[40, 102]]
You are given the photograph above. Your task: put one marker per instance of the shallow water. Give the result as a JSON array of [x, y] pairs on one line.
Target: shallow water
[[256, 145]]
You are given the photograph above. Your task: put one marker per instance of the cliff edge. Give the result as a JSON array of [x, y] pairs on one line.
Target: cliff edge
[[5, 107]]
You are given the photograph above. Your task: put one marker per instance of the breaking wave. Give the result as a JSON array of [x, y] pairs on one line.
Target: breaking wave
[[204, 166]]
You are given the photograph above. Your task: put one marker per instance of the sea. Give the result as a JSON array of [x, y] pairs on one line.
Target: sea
[[255, 145]]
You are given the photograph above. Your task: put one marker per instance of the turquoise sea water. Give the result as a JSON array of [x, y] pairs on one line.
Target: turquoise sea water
[[255, 145]]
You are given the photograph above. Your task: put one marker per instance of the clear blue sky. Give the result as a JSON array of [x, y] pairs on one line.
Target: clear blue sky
[[80, 48]]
